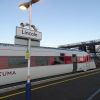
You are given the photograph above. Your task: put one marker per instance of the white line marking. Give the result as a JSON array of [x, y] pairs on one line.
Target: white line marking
[[94, 94]]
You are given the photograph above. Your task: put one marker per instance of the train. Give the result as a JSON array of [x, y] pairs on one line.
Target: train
[[44, 61]]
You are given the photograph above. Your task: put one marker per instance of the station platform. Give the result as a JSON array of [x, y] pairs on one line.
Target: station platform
[[77, 86]]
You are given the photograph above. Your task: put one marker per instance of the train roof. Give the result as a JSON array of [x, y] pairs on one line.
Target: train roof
[[18, 45]]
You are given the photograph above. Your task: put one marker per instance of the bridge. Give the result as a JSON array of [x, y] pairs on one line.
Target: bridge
[[92, 47]]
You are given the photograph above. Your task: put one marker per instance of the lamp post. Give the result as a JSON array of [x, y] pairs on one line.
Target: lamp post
[[25, 6]]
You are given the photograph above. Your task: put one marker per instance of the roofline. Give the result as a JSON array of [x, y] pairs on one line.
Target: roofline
[[19, 45]]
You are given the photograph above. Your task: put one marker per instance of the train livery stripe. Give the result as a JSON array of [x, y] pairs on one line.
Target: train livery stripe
[[3, 62]]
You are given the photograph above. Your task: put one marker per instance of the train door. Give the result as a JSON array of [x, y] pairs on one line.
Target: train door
[[74, 61]]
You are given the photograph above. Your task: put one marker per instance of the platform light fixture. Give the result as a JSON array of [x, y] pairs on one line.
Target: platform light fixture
[[25, 6]]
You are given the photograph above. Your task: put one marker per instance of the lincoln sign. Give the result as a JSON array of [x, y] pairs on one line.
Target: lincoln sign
[[26, 33]]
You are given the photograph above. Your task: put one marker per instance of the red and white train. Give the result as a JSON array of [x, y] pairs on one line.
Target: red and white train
[[44, 62]]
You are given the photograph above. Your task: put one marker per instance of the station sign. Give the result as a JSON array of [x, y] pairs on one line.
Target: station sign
[[26, 33]]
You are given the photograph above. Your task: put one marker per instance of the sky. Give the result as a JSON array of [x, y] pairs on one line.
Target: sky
[[60, 21]]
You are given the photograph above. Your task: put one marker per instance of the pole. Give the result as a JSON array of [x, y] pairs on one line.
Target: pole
[[28, 83], [29, 43]]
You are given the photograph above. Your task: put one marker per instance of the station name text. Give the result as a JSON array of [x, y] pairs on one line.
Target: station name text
[[27, 32]]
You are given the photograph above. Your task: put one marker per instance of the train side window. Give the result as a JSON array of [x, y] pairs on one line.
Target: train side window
[[51, 60], [42, 60], [17, 61], [89, 57], [33, 62], [81, 59], [62, 58], [56, 60]]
